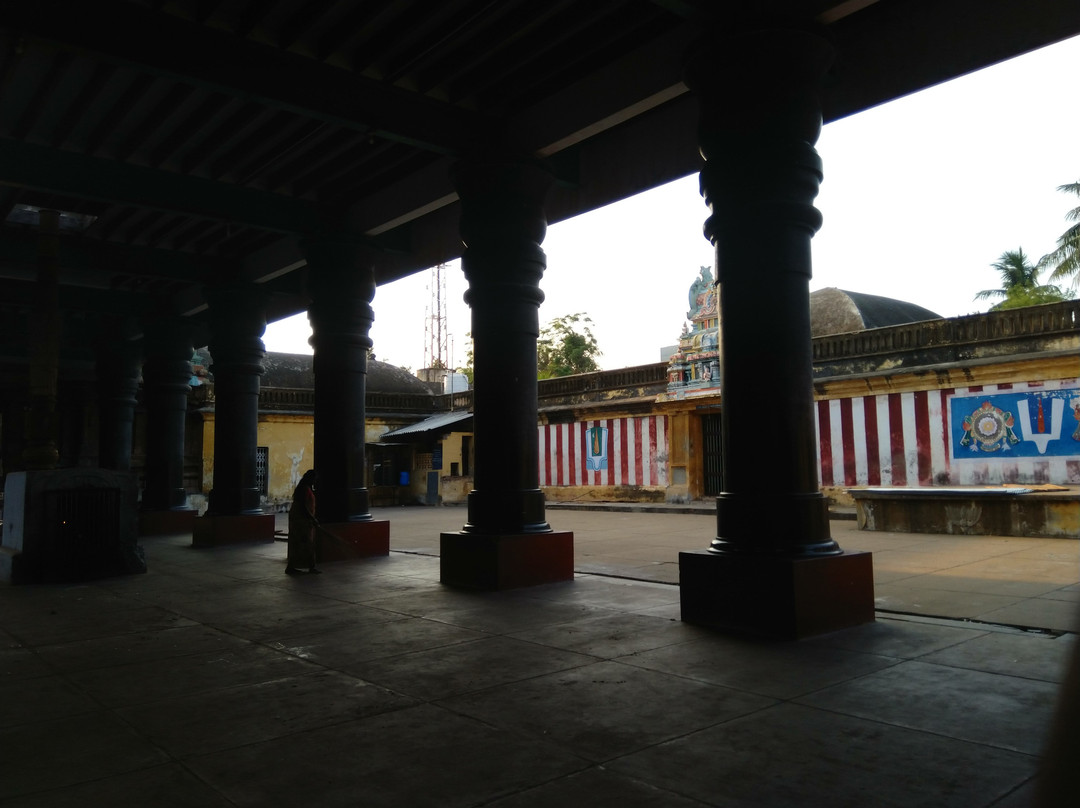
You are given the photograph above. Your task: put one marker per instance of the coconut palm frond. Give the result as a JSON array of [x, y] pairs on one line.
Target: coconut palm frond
[[1068, 270], [1064, 261]]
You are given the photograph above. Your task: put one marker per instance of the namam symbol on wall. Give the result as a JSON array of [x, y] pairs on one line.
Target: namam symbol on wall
[[1026, 424], [596, 459]]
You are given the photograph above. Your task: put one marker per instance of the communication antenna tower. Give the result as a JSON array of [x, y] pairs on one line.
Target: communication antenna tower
[[435, 327]]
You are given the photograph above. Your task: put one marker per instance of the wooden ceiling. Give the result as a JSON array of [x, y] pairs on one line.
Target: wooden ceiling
[[203, 139]]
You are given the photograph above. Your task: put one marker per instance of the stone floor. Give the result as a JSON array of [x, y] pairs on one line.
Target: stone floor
[[215, 680]]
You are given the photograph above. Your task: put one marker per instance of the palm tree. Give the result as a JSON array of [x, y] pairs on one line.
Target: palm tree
[[1019, 283], [1065, 259]]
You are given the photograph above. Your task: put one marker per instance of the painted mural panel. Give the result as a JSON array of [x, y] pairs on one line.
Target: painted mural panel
[[1030, 423], [606, 451], [917, 438]]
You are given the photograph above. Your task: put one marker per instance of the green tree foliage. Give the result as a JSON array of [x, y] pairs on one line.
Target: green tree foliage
[[1019, 283], [1064, 261], [566, 346]]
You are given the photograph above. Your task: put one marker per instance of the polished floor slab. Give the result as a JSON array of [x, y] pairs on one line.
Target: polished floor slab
[[214, 680]]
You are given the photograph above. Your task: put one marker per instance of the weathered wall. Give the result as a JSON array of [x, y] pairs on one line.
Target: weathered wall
[[918, 438], [290, 439], [626, 457]]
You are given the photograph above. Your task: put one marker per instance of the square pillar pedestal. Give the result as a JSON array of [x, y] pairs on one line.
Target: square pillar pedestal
[[782, 598], [338, 541], [505, 561], [215, 531]]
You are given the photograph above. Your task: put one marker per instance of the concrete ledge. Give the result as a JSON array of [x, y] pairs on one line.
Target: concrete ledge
[[343, 540], [984, 511], [782, 598], [162, 523], [505, 561], [215, 531]]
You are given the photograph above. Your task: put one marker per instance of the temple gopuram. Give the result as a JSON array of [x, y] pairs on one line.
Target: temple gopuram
[[694, 368]]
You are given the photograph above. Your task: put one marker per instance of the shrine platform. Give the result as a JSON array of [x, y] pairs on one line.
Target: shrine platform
[[1010, 510]]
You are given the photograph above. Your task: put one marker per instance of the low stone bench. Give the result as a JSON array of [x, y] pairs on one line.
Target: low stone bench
[[970, 511]]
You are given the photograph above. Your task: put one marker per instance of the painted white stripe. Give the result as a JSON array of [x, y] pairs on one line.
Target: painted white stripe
[[939, 467], [858, 427], [575, 441], [615, 461], [563, 440], [817, 440], [836, 439], [884, 443], [911, 438], [604, 477], [662, 456], [544, 459], [631, 452]]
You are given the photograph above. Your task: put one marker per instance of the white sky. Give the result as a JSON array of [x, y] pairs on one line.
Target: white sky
[[920, 196]]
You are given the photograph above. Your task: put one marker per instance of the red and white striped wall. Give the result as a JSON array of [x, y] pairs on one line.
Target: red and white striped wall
[[637, 452], [902, 439]]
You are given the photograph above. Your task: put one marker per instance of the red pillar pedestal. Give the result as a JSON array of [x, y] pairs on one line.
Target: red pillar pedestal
[[505, 561], [782, 598], [340, 541], [163, 523], [214, 531]]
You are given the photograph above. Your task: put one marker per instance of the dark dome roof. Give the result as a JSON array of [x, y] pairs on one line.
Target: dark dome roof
[[836, 311], [295, 371]]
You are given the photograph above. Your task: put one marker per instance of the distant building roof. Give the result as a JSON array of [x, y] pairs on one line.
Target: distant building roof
[[295, 371], [836, 311], [443, 422]]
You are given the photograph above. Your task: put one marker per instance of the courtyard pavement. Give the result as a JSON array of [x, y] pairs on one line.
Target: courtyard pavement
[[216, 680]]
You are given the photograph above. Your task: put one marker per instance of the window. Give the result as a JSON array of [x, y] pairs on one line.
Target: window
[[262, 470]]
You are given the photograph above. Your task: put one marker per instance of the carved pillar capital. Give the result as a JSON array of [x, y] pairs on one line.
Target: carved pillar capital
[[341, 284], [502, 226]]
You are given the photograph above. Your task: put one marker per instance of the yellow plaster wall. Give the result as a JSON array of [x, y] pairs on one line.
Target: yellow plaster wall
[[292, 451], [290, 439]]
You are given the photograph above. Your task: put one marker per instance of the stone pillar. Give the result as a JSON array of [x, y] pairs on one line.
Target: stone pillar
[[40, 449], [507, 541], [773, 567], [234, 513], [166, 373], [341, 283], [13, 430], [118, 365]]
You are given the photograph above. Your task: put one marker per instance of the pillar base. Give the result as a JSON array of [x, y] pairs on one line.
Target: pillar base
[[161, 523], [353, 540], [505, 561], [214, 531], [782, 598]]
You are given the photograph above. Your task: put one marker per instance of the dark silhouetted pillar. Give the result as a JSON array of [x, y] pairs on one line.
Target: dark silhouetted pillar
[[773, 567], [507, 541], [166, 373], [40, 449], [118, 365], [341, 283], [237, 323]]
